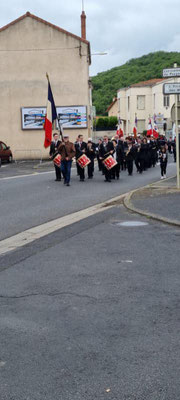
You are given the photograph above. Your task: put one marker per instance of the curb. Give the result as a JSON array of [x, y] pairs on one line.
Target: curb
[[128, 204]]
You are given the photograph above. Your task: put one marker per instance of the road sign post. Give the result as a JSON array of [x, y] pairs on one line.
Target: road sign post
[[169, 89]]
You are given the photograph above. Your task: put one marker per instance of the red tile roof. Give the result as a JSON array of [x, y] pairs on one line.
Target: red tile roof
[[150, 82], [28, 14]]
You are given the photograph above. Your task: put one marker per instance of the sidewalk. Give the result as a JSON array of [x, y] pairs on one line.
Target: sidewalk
[[160, 201]]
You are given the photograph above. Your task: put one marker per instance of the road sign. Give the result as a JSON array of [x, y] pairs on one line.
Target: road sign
[[171, 72], [159, 120], [171, 88]]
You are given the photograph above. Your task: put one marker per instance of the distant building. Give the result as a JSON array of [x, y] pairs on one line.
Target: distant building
[[30, 47], [113, 108], [146, 100]]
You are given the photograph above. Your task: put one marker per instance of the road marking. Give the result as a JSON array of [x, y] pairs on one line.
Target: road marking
[[2, 364], [32, 234], [27, 176]]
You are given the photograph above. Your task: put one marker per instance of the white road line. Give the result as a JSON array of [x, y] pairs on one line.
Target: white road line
[[32, 234], [28, 236], [25, 176], [28, 175]]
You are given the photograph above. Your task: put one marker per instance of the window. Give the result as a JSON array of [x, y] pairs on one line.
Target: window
[[166, 101], [119, 105], [4, 146], [128, 103], [141, 102], [141, 125], [154, 101]]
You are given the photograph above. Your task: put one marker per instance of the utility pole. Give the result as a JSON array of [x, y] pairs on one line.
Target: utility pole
[[177, 135]]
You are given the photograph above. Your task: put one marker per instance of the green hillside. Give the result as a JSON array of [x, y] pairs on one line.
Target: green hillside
[[106, 84]]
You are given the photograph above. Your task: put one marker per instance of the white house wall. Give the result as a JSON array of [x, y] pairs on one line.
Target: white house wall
[[128, 117]]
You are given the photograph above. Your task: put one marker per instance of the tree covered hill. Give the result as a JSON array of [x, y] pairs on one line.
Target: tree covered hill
[[106, 84]]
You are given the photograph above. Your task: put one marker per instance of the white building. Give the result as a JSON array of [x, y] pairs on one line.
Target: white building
[[145, 100]]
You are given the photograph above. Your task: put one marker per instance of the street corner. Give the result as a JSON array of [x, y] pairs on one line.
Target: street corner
[[159, 201]]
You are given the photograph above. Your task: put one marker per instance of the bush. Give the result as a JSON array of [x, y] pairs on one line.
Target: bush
[[107, 123]]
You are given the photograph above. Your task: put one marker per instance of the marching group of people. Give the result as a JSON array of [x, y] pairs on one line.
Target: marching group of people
[[113, 155]]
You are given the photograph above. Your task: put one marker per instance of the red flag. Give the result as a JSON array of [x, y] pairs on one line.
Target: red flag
[[155, 134], [120, 132], [135, 132], [135, 127], [149, 129], [51, 115]]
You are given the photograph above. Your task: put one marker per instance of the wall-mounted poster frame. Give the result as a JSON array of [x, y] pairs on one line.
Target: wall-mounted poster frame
[[72, 117], [33, 118]]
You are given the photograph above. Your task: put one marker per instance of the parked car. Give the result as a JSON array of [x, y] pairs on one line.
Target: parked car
[[5, 153]]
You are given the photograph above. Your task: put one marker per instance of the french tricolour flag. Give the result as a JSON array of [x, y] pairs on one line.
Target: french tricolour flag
[[51, 115], [149, 129], [135, 127]]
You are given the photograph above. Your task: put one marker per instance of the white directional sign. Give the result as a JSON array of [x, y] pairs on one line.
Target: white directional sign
[[171, 72], [171, 88]]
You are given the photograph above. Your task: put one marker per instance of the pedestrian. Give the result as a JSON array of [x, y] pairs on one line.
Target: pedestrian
[[97, 155], [80, 148], [53, 152], [130, 155], [163, 157], [91, 153], [115, 171], [67, 151], [105, 150]]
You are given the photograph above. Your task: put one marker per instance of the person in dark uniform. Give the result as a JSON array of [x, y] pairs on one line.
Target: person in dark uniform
[[174, 149], [115, 171], [81, 148], [169, 143], [153, 151], [106, 149], [97, 155], [91, 154], [130, 154], [144, 150], [124, 146], [137, 156], [163, 157], [53, 152]]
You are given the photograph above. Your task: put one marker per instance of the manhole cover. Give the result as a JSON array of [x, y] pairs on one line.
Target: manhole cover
[[131, 223]]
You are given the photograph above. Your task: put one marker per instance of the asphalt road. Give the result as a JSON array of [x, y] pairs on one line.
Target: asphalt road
[[30, 197], [91, 311]]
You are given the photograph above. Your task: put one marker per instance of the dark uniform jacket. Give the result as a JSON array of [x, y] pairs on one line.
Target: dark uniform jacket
[[104, 150], [54, 148], [130, 154], [79, 147], [91, 151]]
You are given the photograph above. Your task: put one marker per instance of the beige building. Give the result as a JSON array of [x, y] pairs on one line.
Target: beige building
[[113, 108], [145, 100], [30, 47]]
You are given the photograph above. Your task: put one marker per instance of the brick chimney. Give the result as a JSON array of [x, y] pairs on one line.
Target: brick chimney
[[83, 25]]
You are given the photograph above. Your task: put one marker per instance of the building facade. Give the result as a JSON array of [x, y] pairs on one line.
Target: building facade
[[144, 101], [113, 108], [29, 48]]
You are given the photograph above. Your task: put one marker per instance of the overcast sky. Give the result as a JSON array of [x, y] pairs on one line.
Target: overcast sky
[[123, 28]]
